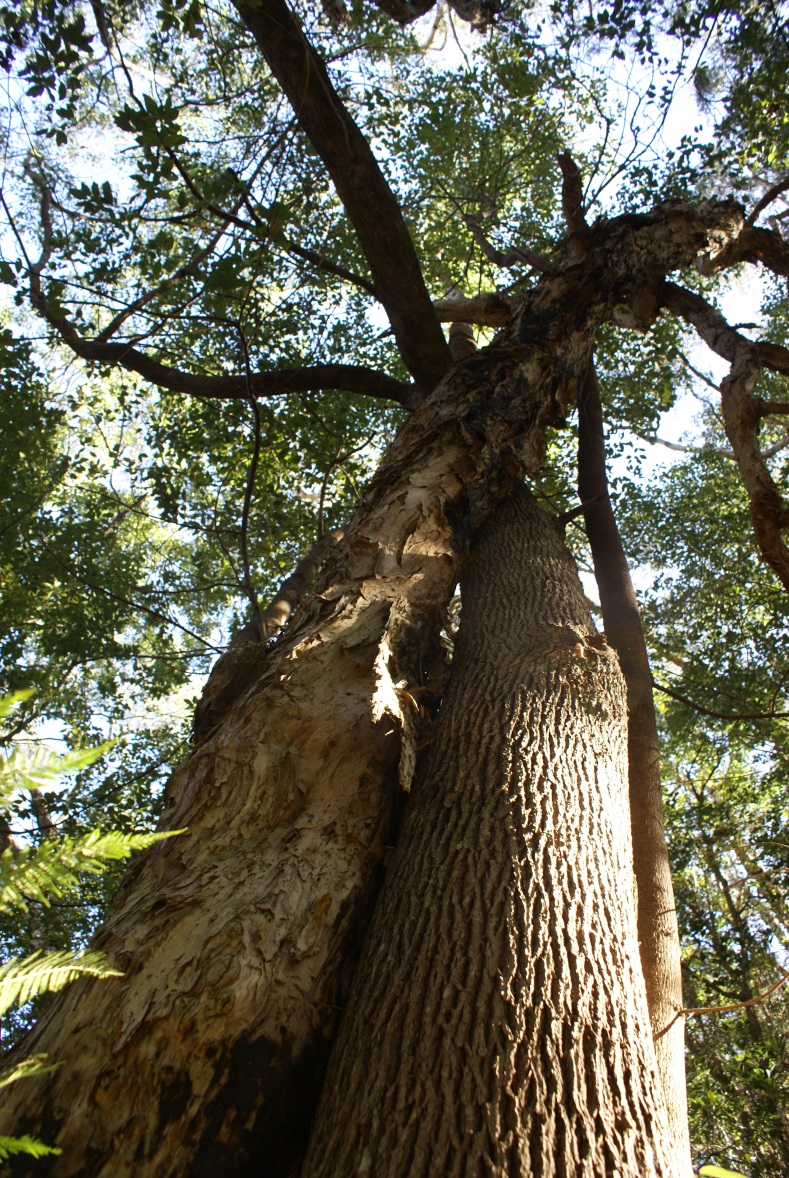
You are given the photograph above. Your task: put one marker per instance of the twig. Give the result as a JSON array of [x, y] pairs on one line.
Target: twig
[[688, 1011], [718, 715]]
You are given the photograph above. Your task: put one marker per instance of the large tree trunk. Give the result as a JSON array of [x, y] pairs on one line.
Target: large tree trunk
[[238, 938], [498, 1023]]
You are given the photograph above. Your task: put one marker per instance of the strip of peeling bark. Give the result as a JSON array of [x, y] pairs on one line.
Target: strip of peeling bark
[[360, 184], [498, 1023], [242, 662], [237, 939], [658, 932]]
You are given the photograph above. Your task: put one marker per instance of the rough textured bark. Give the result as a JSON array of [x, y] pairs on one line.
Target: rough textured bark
[[658, 933], [498, 1023], [237, 939]]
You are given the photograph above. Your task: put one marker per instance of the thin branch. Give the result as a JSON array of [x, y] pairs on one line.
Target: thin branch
[[718, 715], [732, 1006], [249, 587], [770, 195], [182, 272], [515, 256]]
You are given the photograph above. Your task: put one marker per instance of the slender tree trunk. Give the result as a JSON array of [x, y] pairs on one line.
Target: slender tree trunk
[[658, 932], [498, 1023]]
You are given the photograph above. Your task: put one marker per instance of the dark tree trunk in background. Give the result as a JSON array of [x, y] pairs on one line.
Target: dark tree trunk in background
[[498, 1023], [658, 932]]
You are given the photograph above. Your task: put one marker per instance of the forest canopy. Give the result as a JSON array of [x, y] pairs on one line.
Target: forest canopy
[[213, 328]]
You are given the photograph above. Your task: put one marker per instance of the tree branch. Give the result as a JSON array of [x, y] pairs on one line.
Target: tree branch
[[368, 200], [770, 195], [717, 715], [719, 335], [486, 310], [513, 257], [742, 415], [693, 1010], [572, 195]]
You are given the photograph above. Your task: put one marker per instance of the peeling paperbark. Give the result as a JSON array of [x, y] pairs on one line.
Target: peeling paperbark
[[658, 932], [498, 1022], [238, 938]]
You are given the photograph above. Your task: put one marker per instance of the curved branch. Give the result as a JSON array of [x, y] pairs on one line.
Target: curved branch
[[719, 335], [755, 245], [742, 413], [770, 195], [350, 378], [360, 184]]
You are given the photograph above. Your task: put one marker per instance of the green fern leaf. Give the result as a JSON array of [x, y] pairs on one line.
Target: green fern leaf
[[34, 1065], [43, 972], [10, 1146], [50, 869]]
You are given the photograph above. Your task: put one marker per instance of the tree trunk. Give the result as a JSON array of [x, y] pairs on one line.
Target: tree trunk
[[658, 931], [238, 938], [498, 1023]]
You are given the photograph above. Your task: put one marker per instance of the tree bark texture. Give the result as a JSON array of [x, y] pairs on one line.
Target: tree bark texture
[[658, 931], [498, 1023], [238, 938]]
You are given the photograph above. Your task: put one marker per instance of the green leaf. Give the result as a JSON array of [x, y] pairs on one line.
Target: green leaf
[[41, 973], [37, 873], [11, 1146], [719, 1172]]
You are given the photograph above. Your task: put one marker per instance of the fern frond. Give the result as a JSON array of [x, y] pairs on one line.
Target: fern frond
[[32, 1066], [42, 768], [41, 973], [9, 702], [50, 869], [10, 1146]]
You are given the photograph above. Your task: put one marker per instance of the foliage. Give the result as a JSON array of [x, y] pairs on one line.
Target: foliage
[[31, 874]]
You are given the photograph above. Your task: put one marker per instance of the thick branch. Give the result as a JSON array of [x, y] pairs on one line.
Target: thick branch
[[311, 378], [755, 245], [365, 194], [240, 664], [405, 11], [572, 195], [742, 429], [486, 310]]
